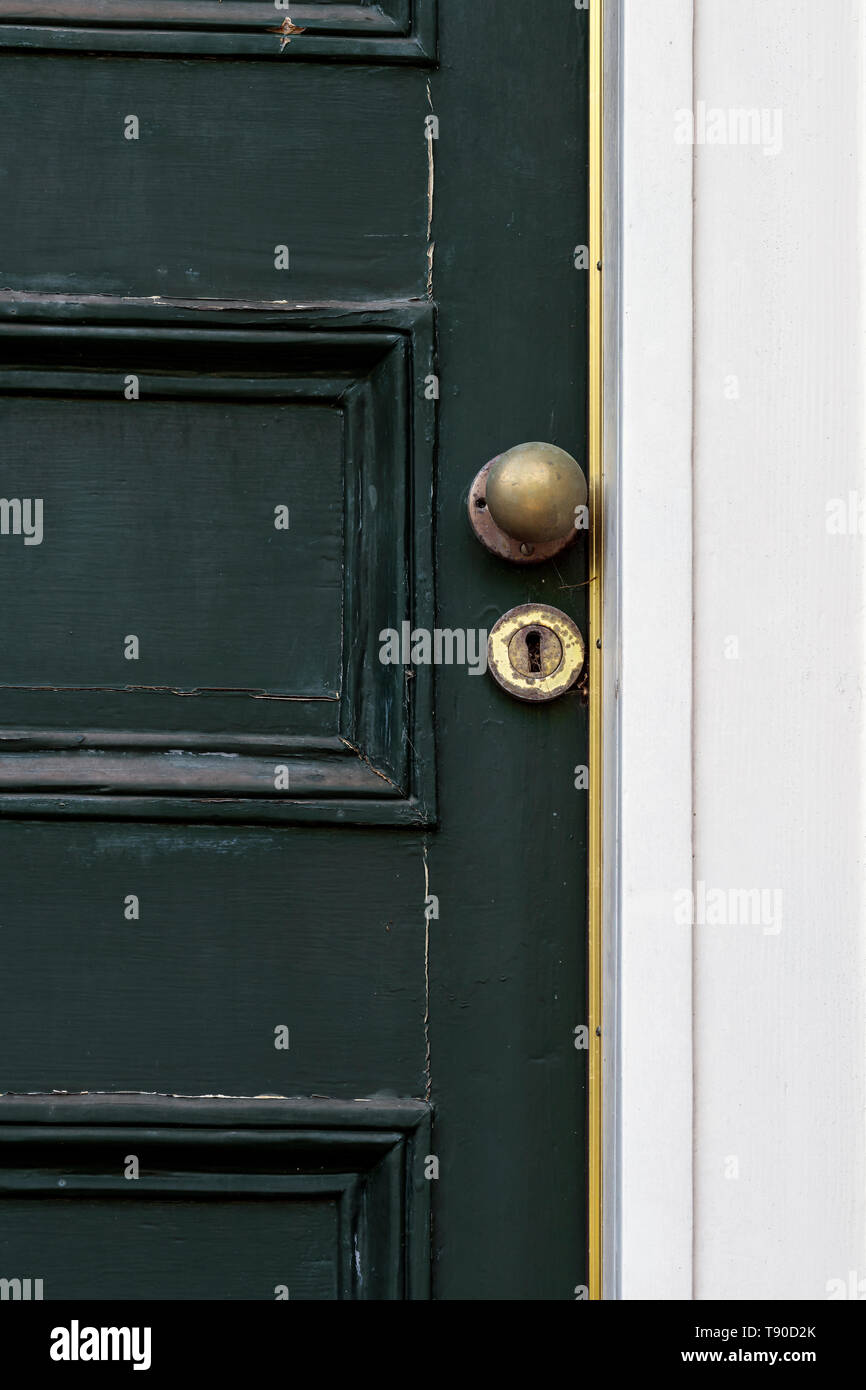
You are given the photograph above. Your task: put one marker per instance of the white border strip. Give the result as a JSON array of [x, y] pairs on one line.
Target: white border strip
[[650, 600]]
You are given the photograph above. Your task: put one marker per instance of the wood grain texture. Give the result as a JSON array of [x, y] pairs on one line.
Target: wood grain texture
[[240, 930], [327, 160], [248, 14], [232, 603], [193, 774], [174, 1245]]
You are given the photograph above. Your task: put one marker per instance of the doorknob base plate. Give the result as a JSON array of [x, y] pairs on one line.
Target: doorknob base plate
[[498, 541]]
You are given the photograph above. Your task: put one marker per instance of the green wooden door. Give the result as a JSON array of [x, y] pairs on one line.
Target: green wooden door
[[293, 938]]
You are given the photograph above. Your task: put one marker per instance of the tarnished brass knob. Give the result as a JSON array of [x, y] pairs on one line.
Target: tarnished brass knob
[[526, 504], [533, 492]]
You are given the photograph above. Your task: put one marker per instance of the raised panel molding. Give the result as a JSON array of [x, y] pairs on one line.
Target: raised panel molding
[[362, 751], [395, 30], [358, 1166]]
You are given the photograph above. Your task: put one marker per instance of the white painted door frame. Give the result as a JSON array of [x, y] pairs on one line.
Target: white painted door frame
[[648, 627], [735, 1055]]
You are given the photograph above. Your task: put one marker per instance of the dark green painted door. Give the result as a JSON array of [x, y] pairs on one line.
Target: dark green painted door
[[293, 940]]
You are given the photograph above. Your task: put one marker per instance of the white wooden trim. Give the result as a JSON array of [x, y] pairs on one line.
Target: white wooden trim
[[739, 1043], [780, 352], [651, 594]]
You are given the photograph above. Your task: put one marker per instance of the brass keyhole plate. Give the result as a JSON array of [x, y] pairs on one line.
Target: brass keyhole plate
[[536, 653]]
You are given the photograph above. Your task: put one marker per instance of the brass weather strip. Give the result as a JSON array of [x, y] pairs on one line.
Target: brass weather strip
[[596, 650]]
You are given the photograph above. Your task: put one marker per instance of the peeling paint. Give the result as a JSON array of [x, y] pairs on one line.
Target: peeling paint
[[146, 1095], [431, 178], [286, 31], [427, 1072], [169, 690], [352, 307], [377, 1099]]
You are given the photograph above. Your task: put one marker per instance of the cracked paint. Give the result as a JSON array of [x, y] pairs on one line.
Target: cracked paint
[[431, 176], [365, 759], [427, 1073]]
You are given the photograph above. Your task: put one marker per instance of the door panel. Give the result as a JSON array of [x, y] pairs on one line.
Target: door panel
[[309, 1200], [103, 521], [269, 460], [324, 165], [239, 932], [298, 924]]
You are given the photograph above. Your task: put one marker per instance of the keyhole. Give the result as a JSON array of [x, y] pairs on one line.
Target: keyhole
[[533, 648]]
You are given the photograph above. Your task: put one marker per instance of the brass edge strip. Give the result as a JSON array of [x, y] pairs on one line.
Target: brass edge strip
[[596, 614]]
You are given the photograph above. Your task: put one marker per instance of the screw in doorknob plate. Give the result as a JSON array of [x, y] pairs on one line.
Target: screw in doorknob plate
[[535, 652]]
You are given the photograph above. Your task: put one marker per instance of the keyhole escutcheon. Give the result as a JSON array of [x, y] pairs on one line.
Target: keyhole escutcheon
[[535, 650]]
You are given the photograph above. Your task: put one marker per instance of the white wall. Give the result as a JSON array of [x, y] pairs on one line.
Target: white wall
[[779, 775], [769, 698]]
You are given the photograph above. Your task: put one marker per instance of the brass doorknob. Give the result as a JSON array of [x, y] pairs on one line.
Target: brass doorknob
[[529, 503]]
